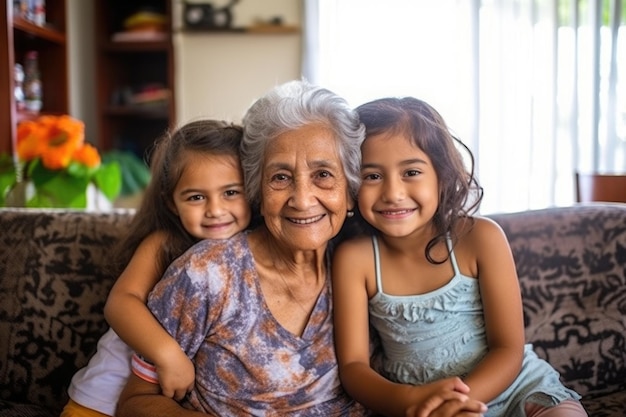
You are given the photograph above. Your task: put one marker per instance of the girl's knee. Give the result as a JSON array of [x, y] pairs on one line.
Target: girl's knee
[[73, 409], [567, 408]]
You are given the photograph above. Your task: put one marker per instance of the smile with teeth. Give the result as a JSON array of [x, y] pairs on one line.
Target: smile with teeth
[[306, 221], [215, 225], [396, 212]]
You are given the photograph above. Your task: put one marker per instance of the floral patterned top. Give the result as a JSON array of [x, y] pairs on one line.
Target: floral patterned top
[[247, 364]]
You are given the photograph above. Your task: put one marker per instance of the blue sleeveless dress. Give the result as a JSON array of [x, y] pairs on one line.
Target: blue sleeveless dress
[[439, 334]]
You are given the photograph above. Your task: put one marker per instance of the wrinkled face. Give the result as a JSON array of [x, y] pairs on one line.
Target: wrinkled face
[[304, 191], [399, 192], [209, 197]]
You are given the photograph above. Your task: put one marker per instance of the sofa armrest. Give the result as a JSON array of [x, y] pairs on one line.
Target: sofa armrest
[[571, 263], [54, 280]]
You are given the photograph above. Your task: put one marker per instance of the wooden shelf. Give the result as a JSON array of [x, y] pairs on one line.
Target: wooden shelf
[[147, 111], [29, 115], [273, 29], [136, 46], [256, 29], [125, 69], [17, 37], [42, 32]]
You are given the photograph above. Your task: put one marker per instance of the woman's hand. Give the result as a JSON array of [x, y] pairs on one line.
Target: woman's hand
[[176, 375]]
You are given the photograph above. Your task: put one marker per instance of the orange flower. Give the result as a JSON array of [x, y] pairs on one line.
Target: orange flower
[[29, 143], [87, 155], [55, 139]]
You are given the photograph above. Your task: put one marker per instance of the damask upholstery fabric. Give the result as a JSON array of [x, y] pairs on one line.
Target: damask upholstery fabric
[[571, 264], [54, 281], [53, 286]]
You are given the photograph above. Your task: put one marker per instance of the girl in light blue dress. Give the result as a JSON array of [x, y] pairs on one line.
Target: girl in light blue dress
[[435, 284]]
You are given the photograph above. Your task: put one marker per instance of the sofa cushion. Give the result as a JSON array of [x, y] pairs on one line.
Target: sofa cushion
[[11, 409], [54, 282], [610, 405], [571, 263]]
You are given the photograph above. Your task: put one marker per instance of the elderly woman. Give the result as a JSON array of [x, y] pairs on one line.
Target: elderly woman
[[254, 311]]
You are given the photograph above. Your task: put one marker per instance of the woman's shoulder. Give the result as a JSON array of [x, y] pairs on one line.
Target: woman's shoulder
[[214, 258]]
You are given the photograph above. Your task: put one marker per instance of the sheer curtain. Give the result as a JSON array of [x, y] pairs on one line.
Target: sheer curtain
[[537, 89]]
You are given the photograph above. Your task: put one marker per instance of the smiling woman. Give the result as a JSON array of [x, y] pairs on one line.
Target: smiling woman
[[278, 359]]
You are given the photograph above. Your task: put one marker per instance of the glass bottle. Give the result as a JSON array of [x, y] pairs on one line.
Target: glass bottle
[[19, 87], [32, 82]]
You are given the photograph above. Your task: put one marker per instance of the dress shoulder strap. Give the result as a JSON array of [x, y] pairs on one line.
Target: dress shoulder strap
[[379, 281], [455, 266]]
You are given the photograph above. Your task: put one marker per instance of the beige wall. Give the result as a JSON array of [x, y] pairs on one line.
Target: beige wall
[[81, 64], [220, 74]]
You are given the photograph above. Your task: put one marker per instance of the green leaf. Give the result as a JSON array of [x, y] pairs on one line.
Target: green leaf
[[76, 169], [135, 172], [7, 176], [108, 179], [57, 188], [67, 190]]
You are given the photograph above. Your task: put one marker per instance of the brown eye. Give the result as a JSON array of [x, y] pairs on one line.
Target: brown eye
[[372, 177], [195, 197], [279, 181]]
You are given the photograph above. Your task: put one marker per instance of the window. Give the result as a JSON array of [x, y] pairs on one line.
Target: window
[[537, 89]]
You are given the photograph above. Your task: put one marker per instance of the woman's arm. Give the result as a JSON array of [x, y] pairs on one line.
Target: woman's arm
[[143, 399], [350, 309], [128, 315], [501, 298]]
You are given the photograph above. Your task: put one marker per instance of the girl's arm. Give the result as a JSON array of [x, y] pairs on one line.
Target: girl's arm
[[350, 308], [128, 315], [494, 266]]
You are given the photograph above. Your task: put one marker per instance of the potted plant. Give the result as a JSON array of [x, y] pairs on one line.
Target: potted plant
[[53, 166]]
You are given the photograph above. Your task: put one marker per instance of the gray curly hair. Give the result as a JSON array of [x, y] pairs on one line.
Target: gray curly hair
[[290, 106]]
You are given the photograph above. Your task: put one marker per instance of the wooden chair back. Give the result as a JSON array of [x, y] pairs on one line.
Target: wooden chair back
[[600, 187]]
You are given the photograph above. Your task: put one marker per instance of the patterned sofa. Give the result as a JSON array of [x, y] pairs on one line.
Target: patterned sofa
[[54, 281]]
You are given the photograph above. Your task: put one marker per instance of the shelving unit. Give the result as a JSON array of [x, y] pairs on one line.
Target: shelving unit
[[17, 36], [125, 68]]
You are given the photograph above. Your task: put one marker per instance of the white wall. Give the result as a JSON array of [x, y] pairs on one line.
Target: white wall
[[218, 75]]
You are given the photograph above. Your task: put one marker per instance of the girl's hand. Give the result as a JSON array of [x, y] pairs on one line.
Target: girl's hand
[[456, 408], [444, 398], [177, 375]]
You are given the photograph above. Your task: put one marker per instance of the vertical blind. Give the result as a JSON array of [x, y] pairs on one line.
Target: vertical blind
[[537, 89]]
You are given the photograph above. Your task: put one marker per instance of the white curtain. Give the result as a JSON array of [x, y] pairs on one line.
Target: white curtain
[[537, 89]]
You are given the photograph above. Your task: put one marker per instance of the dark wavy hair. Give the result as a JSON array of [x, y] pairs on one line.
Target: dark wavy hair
[[459, 191]]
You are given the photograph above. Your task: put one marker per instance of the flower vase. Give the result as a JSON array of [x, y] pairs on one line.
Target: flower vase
[[16, 197], [96, 200], [24, 191]]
